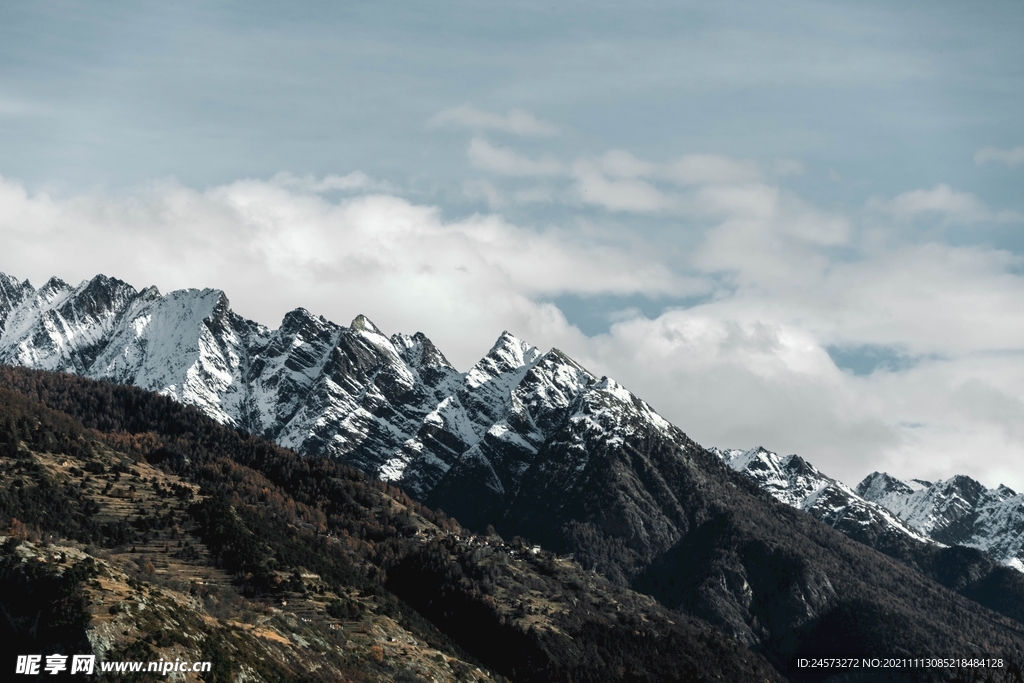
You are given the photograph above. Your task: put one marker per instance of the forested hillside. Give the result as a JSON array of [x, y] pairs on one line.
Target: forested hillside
[[377, 586], [340, 548]]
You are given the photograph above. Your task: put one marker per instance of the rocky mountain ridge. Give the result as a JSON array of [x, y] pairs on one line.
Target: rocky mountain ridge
[[156, 532], [956, 512], [530, 442], [796, 482], [392, 406]]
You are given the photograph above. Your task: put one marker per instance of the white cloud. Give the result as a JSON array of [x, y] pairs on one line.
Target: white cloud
[[1010, 157], [272, 248], [515, 121], [484, 155], [945, 201], [621, 164], [617, 181], [750, 366], [356, 180], [480, 189], [747, 366], [618, 194], [691, 169], [621, 182]]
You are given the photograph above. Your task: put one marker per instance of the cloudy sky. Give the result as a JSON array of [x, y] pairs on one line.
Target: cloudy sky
[[800, 227]]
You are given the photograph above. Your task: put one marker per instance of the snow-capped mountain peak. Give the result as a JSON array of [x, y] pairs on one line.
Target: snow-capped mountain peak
[[12, 293], [393, 406], [958, 510], [877, 484], [794, 481], [509, 357], [363, 324]]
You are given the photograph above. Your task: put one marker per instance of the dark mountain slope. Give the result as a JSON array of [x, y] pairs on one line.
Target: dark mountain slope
[[969, 571], [527, 440], [641, 502], [674, 520], [298, 528], [958, 511]]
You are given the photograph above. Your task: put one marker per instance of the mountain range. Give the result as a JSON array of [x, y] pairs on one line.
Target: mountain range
[[956, 512], [395, 407], [534, 445], [137, 529], [392, 406]]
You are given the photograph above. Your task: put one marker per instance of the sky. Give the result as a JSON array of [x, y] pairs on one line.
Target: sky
[[799, 225]]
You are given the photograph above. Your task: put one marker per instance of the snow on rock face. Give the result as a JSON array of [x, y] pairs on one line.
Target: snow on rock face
[[183, 345], [283, 366], [486, 391], [958, 511], [396, 407], [12, 293], [393, 406], [60, 328], [419, 353], [16, 343], [794, 481]]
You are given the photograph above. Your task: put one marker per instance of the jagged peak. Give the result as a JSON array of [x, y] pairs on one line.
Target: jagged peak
[[609, 386], [559, 357], [419, 352], [363, 324], [878, 483], [726, 454], [54, 285], [739, 460], [507, 340], [964, 486], [299, 321], [195, 293], [13, 289], [963, 480], [213, 302], [222, 308], [51, 294], [11, 282], [101, 284], [797, 465], [299, 313], [102, 280], [510, 353], [12, 293], [757, 453], [556, 352]]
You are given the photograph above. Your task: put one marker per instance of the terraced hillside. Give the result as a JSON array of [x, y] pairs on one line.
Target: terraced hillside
[[155, 591], [173, 536]]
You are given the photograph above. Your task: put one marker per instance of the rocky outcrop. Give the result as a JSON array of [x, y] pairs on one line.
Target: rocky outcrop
[[957, 511]]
